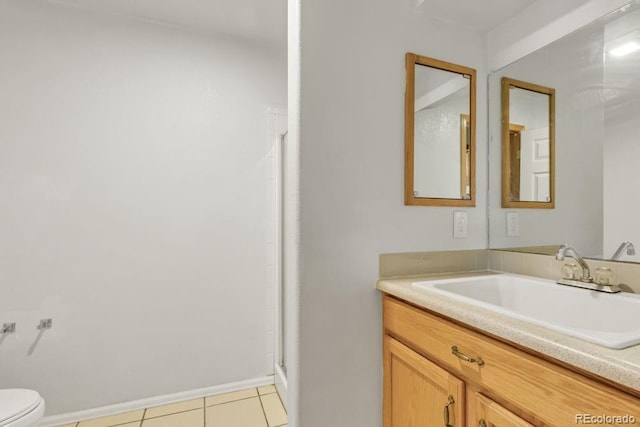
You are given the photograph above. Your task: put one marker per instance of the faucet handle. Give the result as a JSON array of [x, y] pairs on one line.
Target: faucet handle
[[603, 276], [570, 271]]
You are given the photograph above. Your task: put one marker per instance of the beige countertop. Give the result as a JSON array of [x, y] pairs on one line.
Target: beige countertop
[[620, 366]]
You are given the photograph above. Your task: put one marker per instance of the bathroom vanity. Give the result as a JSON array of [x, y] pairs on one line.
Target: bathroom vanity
[[450, 364]]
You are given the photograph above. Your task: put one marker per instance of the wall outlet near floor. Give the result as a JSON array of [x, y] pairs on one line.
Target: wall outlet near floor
[[513, 224], [460, 224]]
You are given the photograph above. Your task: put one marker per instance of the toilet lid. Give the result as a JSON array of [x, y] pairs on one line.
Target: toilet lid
[[15, 403]]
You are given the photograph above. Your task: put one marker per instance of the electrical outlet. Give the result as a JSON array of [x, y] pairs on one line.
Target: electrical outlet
[[460, 224], [513, 224]]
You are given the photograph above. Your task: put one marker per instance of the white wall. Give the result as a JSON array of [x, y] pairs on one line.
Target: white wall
[[132, 208], [351, 195]]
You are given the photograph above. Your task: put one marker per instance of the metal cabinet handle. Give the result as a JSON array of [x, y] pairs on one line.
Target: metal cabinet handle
[[450, 401], [462, 356], [482, 423]]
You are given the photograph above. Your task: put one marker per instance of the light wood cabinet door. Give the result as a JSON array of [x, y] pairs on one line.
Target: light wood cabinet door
[[418, 393], [487, 413]]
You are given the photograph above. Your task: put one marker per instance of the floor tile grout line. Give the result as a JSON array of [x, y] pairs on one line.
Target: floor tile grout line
[[175, 413], [204, 411], [283, 408], [121, 424], [231, 401], [270, 392], [204, 407], [114, 425], [171, 413], [263, 411], [128, 422]]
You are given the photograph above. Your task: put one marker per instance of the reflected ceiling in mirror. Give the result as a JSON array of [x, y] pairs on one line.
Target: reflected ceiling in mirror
[[439, 133]]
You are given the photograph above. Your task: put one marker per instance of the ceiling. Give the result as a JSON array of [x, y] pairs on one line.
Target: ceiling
[[481, 15], [263, 21]]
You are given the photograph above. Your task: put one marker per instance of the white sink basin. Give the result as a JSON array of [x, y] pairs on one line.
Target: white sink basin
[[611, 320]]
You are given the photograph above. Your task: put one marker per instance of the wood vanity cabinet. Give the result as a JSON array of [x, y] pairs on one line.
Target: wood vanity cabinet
[[488, 383]]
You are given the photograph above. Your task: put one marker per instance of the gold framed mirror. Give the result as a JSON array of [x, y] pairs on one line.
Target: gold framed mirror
[[528, 145], [440, 133]]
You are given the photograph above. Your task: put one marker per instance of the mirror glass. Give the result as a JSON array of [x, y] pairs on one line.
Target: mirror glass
[[439, 133], [527, 144], [594, 72]]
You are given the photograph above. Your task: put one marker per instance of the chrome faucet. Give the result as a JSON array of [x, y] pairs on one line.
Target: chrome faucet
[[624, 245], [586, 281], [568, 250]]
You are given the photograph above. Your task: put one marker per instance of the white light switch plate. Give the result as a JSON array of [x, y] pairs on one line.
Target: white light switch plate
[[460, 224], [513, 224]]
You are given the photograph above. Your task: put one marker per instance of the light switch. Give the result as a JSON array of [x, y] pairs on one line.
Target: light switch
[[460, 224]]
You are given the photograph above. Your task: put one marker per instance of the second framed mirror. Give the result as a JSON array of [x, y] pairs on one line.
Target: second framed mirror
[[439, 133], [528, 145]]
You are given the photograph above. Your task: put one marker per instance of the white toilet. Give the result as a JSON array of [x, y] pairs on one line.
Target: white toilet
[[20, 408]]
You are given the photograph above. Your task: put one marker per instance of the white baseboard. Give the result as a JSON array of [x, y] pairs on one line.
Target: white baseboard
[[280, 381], [134, 405]]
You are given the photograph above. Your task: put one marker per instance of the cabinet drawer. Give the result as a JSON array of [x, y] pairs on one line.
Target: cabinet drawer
[[546, 393]]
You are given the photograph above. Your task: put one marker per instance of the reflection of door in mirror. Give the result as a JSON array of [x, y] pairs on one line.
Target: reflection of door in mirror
[[515, 150], [465, 156], [439, 133], [529, 164], [528, 111], [534, 165]]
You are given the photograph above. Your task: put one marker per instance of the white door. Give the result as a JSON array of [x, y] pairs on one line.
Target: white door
[[534, 165]]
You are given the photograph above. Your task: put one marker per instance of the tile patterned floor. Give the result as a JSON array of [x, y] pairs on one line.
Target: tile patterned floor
[[253, 407]]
